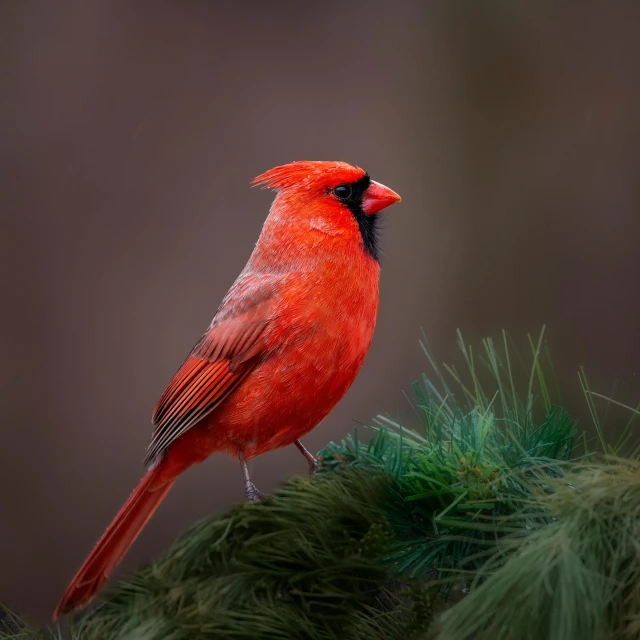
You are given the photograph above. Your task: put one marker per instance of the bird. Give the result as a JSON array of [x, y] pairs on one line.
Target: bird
[[283, 348]]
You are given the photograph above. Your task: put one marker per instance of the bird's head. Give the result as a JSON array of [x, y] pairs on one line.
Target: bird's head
[[331, 198]]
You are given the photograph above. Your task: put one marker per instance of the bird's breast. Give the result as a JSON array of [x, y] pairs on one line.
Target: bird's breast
[[328, 318]]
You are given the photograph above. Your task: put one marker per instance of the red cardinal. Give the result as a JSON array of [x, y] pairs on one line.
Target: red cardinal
[[283, 348]]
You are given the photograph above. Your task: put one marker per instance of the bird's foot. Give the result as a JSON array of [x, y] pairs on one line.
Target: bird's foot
[[313, 463], [252, 493]]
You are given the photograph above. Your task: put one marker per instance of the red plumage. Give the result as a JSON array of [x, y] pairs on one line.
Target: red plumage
[[283, 348]]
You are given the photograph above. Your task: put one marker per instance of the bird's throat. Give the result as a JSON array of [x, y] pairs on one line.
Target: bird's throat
[[368, 226]]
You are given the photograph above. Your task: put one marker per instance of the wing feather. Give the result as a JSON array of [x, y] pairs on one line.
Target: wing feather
[[221, 359]]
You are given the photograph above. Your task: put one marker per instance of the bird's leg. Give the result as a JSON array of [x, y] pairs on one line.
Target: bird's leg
[[313, 463], [250, 490]]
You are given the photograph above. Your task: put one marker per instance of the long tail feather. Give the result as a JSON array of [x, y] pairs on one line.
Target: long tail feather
[[117, 539]]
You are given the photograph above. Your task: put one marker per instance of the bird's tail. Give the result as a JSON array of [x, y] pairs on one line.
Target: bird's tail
[[117, 539]]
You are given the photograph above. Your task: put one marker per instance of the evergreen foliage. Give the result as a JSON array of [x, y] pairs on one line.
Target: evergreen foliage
[[475, 509], [297, 566], [576, 577], [470, 461]]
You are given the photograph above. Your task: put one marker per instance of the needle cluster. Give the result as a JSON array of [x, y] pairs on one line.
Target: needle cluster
[[476, 518]]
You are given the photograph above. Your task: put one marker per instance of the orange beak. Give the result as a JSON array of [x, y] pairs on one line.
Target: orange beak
[[377, 197]]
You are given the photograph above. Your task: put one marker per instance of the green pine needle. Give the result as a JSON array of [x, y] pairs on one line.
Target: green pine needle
[[304, 564], [479, 508], [577, 577]]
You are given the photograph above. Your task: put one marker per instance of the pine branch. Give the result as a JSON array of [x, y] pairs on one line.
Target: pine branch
[[577, 577], [480, 495]]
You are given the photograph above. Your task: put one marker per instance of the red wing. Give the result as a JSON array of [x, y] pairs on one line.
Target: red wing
[[226, 353]]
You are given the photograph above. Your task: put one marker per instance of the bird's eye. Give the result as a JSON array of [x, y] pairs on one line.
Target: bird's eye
[[342, 191]]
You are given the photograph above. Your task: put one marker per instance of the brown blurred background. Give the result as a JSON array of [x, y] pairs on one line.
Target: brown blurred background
[[130, 133]]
